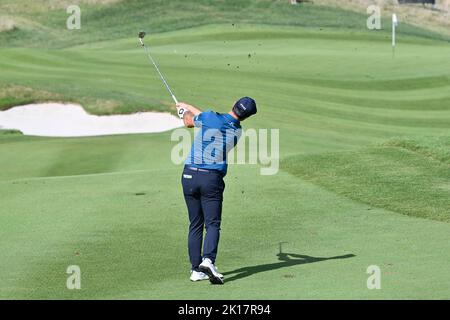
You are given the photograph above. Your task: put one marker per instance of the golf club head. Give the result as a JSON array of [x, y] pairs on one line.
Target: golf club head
[[141, 36]]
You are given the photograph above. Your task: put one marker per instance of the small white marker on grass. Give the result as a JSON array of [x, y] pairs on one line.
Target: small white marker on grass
[[394, 25]]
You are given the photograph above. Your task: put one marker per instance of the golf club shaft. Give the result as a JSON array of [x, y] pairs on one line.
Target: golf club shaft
[[159, 72]]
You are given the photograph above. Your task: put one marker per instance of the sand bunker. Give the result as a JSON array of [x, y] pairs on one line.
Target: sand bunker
[[70, 120]]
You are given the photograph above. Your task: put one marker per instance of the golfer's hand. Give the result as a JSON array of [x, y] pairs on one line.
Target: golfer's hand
[[182, 105], [180, 111], [185, 113]]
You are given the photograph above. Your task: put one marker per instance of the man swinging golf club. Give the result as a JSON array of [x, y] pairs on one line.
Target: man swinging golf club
[[202, 180], [203, 174]]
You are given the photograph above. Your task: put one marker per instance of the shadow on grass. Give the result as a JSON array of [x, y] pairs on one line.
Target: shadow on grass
[[286, 260]]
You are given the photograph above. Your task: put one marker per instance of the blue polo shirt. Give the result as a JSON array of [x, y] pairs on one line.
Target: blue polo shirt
[[219, 133]]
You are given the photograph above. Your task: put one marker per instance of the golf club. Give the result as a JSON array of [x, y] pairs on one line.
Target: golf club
[[141, 40]]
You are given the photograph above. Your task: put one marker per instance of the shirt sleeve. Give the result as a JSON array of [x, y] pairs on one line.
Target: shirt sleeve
[[198, 119], [202, 118]]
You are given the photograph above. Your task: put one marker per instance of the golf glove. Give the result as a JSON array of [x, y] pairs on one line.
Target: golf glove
[[180, 112]]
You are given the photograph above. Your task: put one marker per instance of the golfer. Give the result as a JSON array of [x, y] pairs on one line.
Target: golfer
[[202, 180]]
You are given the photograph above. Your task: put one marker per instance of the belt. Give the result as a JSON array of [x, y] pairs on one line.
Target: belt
[[201, 170]]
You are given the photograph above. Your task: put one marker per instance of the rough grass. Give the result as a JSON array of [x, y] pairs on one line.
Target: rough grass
[[404, 176], [9, 132], [15, 95], [437, 148], [40, 6], [7, 24]]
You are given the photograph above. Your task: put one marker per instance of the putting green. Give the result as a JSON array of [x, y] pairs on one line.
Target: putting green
[[113, 205]]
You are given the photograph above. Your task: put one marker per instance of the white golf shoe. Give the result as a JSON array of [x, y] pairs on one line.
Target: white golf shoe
[[198, 276], [210, 269]]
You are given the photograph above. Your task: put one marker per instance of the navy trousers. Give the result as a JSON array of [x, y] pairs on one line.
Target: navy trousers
[[203, 193]]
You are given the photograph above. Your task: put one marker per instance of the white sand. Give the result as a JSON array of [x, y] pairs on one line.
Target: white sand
[[70, 120]]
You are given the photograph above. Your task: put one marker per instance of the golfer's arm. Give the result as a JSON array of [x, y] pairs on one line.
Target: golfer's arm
[[195, 111], [188, 119]]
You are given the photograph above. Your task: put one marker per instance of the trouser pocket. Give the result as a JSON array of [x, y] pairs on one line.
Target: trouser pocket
[[188, 181], [213, 186]]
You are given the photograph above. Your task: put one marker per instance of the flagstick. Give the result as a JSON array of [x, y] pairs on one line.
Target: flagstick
[[394, 24], [393, 40]]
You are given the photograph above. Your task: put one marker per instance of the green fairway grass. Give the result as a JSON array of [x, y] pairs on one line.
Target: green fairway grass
[[364, 142]]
